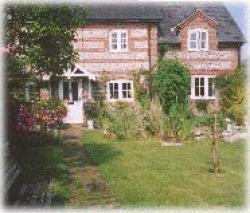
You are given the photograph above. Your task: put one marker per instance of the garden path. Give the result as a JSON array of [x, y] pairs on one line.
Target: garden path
[[87, 186]]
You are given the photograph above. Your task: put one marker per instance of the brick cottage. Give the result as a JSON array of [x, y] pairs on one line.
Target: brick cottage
[[118, 40]]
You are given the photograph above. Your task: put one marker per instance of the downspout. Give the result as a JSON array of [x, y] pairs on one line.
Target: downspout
[[239, 55], [149, 58], [149, 46]]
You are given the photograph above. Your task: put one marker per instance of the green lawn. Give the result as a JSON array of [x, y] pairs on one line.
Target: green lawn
[[143, 173], [138, 173]]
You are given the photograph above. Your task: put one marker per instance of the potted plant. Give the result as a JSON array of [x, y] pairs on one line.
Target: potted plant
[[89, 109]]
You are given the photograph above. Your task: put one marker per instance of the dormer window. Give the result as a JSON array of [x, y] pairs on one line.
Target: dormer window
[[119, 40], [197, 40]]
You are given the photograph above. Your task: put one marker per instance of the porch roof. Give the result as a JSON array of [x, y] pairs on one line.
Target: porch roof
[[78, 71]]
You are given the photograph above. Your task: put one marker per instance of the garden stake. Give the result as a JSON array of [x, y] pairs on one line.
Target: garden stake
[[215, 147]]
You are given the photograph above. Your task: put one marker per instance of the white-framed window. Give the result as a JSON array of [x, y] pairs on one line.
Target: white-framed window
[[120, 90], [118, 40], [197, 39], [202, 87]]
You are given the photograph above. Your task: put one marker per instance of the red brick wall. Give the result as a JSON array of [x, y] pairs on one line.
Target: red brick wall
[[95, 56], [214, 61]]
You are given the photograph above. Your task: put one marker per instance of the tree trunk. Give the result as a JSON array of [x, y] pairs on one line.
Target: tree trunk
[[215, 147]]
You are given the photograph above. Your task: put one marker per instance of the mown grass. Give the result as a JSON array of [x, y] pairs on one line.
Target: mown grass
[[145, 174]]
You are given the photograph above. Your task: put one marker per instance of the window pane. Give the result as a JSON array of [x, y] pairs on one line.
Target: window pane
[[210, 87], [123, 35], [114, 46], [114, 35], [193, 44], [116, 94], [111, 91], [197, 82], [129, 86], [201, 81], [203, 35], [74, 89], [202, 91], [124, 94], [65, 91], [203, 44], [129, 94], [123, 46], [193, 36], [124, 86], [196, 91], [116, 86]]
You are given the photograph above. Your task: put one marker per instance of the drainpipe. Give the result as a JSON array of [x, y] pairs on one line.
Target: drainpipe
[[149, 45], [239, 55]]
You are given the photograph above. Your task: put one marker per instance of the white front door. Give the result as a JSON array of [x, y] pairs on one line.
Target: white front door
[[70, 91]]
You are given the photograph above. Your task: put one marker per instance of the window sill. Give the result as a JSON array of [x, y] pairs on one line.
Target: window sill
[[202, 98], [121, 100], [119, 51], [200, 50]]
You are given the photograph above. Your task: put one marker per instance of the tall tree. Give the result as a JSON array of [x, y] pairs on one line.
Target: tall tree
[[40, 39]]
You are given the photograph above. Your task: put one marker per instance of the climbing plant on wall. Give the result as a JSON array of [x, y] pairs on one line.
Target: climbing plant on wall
[[232, 91], [171, 82]]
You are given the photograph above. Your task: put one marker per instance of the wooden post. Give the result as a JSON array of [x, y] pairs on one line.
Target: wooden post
[[215, 147]]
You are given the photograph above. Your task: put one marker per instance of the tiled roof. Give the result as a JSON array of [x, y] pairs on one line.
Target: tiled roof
[[169, 15]]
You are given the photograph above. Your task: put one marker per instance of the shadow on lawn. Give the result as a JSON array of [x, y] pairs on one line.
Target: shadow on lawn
[[89, 153], [43, 159]]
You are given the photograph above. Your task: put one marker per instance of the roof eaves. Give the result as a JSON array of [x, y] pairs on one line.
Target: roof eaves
[[123, 20], [194, 14]]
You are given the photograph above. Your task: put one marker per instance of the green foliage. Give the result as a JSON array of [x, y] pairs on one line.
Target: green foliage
[[40, 40], [233, 94], [178, 123], [162, 49], [127, 120], [51, 104], [174, 171], [40, 36], [171, 83], [142, 87], [50, 112], [201, 105], [203, 120]]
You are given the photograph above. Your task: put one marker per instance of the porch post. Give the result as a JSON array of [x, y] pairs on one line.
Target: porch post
[[89, 89], [61, 89]]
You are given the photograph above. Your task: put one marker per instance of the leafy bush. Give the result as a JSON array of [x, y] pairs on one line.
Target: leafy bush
[[142, 86], [131, 120], [154, 119], [50, 112], [125, 121], [233, 94], [171, 82], [25, 121], [179, 122], [201, 105]]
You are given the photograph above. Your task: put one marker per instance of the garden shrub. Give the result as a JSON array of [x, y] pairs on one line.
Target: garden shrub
[[142, 86], [131, 120], [25, 121], [179, 122], [125, 120], [232, 92], [154, 119], [50, 112], [171, 82], [201, 105]]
